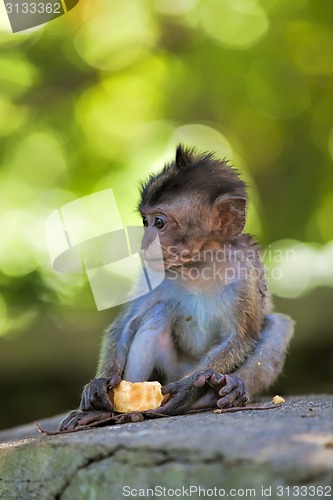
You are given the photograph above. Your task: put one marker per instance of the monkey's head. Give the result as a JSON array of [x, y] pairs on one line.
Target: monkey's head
[[196, 202]]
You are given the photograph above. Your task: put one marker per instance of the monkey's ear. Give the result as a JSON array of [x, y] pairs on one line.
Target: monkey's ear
[[183, 157], [232, 215]]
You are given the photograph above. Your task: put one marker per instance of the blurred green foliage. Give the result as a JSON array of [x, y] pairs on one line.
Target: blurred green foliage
[[100, 97]]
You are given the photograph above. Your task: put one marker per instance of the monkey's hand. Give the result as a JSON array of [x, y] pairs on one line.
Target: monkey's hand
[[182, 395], [77, 418], [207, 389], [95, 394], [224, 391]]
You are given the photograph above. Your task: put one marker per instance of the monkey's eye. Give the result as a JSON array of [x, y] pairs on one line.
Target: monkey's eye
[[159, 222], [144, 221]]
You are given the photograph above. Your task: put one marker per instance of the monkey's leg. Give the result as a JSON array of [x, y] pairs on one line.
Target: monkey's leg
[[265, 364]]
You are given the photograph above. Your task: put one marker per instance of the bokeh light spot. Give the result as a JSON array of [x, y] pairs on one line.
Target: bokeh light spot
[[289, 270], [16, 74], [175, 7], [237, 24], [17, 257], [116, 39], [38, 159], [4, 20], [208, 138], [295, 268], [11, 116], [113, 112]]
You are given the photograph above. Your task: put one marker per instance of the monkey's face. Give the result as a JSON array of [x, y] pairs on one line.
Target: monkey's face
[[157, 236], [195, 203], [181, 237]]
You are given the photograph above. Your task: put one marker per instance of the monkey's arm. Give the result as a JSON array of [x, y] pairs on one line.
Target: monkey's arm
[[264, 365], [136, 326], [130, 349], [95, 402], [112, 360]]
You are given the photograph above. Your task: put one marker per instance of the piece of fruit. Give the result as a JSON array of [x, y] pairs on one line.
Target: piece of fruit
[[277, 400], [138, 396]]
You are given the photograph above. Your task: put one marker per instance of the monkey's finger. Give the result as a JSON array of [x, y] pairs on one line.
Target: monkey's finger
[[231, 383], [114, 381], [122, 419], [230, 399], [210, 377], [170, 388], [176, 404], [203, 377], [94, 416], [216, 380], [77, 418], [103, 403], [95, 401], [200, 381], [137, 417], [169, 406], [70, 422], [95, 396], [69, 425], [130, 417], [242, 400]]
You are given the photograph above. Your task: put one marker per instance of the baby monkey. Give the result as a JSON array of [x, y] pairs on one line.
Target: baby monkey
[[206, 332]]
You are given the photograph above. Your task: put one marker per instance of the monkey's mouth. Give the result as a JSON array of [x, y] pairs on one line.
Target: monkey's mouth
[[165, 262], [169, 258], [178, 261]]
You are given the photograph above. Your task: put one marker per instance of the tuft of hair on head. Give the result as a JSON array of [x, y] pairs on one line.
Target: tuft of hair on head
[[184, 157], [199, 175]]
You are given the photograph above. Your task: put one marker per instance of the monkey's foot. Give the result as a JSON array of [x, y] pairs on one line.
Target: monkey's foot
[[133, 416], [223, 391], [78, 418]]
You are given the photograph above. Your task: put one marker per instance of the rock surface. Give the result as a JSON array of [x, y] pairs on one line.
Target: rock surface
[[290, 445]]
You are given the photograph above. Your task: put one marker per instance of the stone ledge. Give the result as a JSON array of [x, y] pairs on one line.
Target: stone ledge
[[291, 445]]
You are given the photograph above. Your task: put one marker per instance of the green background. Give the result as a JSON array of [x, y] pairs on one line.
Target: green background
[[99, 98]]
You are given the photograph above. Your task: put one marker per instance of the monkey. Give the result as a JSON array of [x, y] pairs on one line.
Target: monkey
[[207, 333]]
